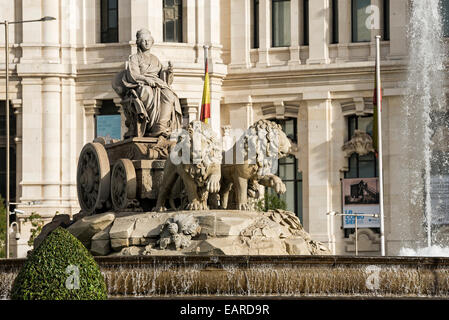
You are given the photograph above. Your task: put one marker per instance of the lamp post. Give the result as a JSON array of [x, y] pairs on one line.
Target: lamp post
[[7, 23]]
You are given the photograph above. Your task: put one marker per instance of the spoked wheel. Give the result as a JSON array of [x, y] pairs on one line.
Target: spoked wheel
[[93, 177], [123, 184]]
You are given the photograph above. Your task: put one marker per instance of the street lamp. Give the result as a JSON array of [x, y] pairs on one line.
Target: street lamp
[[7, 23]]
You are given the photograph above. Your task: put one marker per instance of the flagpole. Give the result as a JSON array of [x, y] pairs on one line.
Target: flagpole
[[379, 142]]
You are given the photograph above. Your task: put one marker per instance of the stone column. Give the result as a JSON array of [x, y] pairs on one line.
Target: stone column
[[318, 32], [344, 29], [50, 34], [91, 108], [31, 34], [264, 33], [398, 29], [32, 136], [17, 107], [51, 139], [294, 33], [123, 128], [314, 143], [240, 33], [68, 145]]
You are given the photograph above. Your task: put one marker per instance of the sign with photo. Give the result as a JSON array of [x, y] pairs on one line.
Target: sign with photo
[[361, 196]]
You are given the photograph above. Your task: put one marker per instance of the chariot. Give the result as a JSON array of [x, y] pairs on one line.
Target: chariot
[[121, 175]]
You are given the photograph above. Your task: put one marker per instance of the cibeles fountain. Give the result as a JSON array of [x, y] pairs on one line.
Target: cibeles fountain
[[168, 213]]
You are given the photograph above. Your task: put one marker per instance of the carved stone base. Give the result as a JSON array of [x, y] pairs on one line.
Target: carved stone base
[[212, 232]]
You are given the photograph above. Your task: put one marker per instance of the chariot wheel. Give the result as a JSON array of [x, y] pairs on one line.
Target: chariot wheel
[[93, 177], [123, 184]]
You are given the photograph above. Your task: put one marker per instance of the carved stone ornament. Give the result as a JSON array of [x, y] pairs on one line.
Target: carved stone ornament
[[360, 143], [178, 232]]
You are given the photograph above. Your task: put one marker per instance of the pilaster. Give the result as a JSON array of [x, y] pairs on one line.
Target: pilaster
[[264, 32], [315, 127], [294, 32], [91, 108], [319, 32], [344, 29], [398, 29], [118, 102], [240, 33]]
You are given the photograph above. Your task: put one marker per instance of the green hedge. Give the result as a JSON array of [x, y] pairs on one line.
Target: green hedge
[[51, 272]]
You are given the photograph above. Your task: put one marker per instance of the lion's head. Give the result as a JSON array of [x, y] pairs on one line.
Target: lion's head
[[204, 149], [264, 143]]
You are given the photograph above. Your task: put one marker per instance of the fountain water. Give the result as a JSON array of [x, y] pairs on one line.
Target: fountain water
[[427, 123]]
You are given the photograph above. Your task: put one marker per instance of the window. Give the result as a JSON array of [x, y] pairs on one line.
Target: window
[[108, 122], [109, 21], [334, 21], [288, 171], [255, 24], [172, 20], [360, 33], [361, 166], [281, 23], [12, 152], [386, 11], [444, 5], [306, 22]]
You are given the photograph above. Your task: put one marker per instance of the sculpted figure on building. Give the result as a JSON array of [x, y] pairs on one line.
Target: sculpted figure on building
[[151, 107]]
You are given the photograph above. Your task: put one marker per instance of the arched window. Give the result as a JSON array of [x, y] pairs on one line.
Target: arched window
[[288, 171]]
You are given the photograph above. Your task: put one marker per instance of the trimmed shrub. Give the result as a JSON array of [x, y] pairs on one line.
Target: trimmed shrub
[[61, 268]]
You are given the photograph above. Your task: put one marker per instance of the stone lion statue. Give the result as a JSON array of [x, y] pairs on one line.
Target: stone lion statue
[[196, 159], [259, 149]]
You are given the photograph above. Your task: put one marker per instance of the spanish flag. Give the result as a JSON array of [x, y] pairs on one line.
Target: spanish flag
[[205, 103], [375, 113]]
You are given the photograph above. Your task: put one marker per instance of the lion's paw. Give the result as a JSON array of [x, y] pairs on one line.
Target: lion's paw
[[244, 207], [194, 205], [159, 209]]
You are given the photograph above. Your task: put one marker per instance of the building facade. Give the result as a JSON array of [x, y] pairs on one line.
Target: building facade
[[308, 65]]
